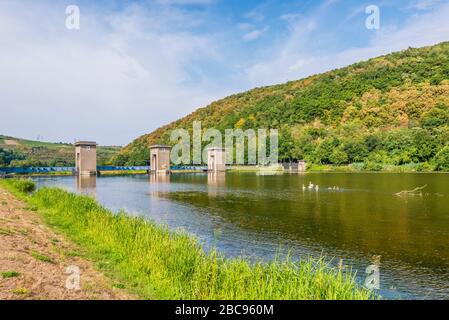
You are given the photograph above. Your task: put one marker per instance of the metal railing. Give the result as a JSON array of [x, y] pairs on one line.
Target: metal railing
[[29, 170]]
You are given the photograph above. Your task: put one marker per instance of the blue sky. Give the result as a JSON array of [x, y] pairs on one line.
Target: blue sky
[[136, 65]]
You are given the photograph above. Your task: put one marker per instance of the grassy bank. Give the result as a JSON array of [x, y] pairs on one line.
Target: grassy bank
[[156, 263], [69, 173], [372, 167]]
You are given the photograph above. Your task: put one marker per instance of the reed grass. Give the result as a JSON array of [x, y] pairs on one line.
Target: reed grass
[[156, 263], [23, 185]]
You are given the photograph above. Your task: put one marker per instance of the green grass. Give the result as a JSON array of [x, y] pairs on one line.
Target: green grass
[[41, 257], [9, 274], [372, 167], [21, 291], [5, 232], [43, 174], [251, 168], [23, 185], [156, 263]]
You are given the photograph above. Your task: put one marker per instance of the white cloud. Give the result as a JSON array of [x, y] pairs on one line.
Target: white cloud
[[245, 26], [293, 60], [121, 75], [124, 74], [185, 2], [254, 35], [424, 4], [290, 17], [254, 16]]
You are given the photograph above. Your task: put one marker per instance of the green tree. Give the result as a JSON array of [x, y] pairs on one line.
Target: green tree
[[437, 79], [8, 156], [442, 159], [435, 117], [424, 145], [120, 159], [338, 157], [372, 142], [397, 140], [324, 150], [355, 151], [286, 145]]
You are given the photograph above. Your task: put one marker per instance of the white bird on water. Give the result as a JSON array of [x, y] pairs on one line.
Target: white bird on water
[[311, 186], [317, 187]]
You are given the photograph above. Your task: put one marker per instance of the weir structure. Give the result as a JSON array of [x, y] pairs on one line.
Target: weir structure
[[86, 158], [160, 159], [216, 160], [300, 166], [86, 163]]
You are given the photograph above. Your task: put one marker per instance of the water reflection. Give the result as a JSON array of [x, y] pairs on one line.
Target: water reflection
[[87, 185], [160, 178], [158, 183], [216, 183], [349, 216]]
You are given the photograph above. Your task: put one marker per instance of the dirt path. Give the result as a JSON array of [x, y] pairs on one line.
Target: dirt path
[[9, 142], [37, 263]]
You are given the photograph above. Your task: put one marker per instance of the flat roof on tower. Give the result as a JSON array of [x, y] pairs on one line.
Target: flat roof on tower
[[85, 143], [216, 149]]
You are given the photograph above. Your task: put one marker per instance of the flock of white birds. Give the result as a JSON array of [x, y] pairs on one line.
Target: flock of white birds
[[316, 187]]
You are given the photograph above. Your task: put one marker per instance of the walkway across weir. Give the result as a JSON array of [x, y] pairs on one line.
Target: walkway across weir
[[30, 170]]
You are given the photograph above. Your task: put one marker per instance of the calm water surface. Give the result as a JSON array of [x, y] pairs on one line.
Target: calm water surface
[[258, 216]]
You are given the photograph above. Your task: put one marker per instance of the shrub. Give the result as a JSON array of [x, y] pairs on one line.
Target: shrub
[[372, 142], [324, 151], [435, 117], [338, 157], [372, 166], [425, 166], [24, 186], [7, 156], [442, 160], [356, 151], [425, 145]]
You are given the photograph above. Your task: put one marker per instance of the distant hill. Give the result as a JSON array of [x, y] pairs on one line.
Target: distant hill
[[17, 152], [392, 109]]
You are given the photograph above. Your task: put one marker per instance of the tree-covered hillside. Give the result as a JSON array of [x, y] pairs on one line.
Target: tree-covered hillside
[[15, 152], [392, 109]]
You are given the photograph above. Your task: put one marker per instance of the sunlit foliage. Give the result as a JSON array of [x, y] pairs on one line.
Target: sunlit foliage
[[389, 110]]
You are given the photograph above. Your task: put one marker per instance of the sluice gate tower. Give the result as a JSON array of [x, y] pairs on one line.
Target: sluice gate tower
[[86, 158]]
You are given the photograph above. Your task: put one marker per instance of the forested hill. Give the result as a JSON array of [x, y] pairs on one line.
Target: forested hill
[[16, 152], [392, 109]]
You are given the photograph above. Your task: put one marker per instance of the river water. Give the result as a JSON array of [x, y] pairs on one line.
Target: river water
[[355, 217]]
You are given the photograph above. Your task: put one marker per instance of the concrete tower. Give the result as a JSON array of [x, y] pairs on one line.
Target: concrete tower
[[160, 159], [86, 158], [216, 160]]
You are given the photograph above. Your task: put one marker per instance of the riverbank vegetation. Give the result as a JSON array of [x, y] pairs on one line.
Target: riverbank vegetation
[[157, 263], [374, 167], [25, 186], [34, 258], [389, 111]]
